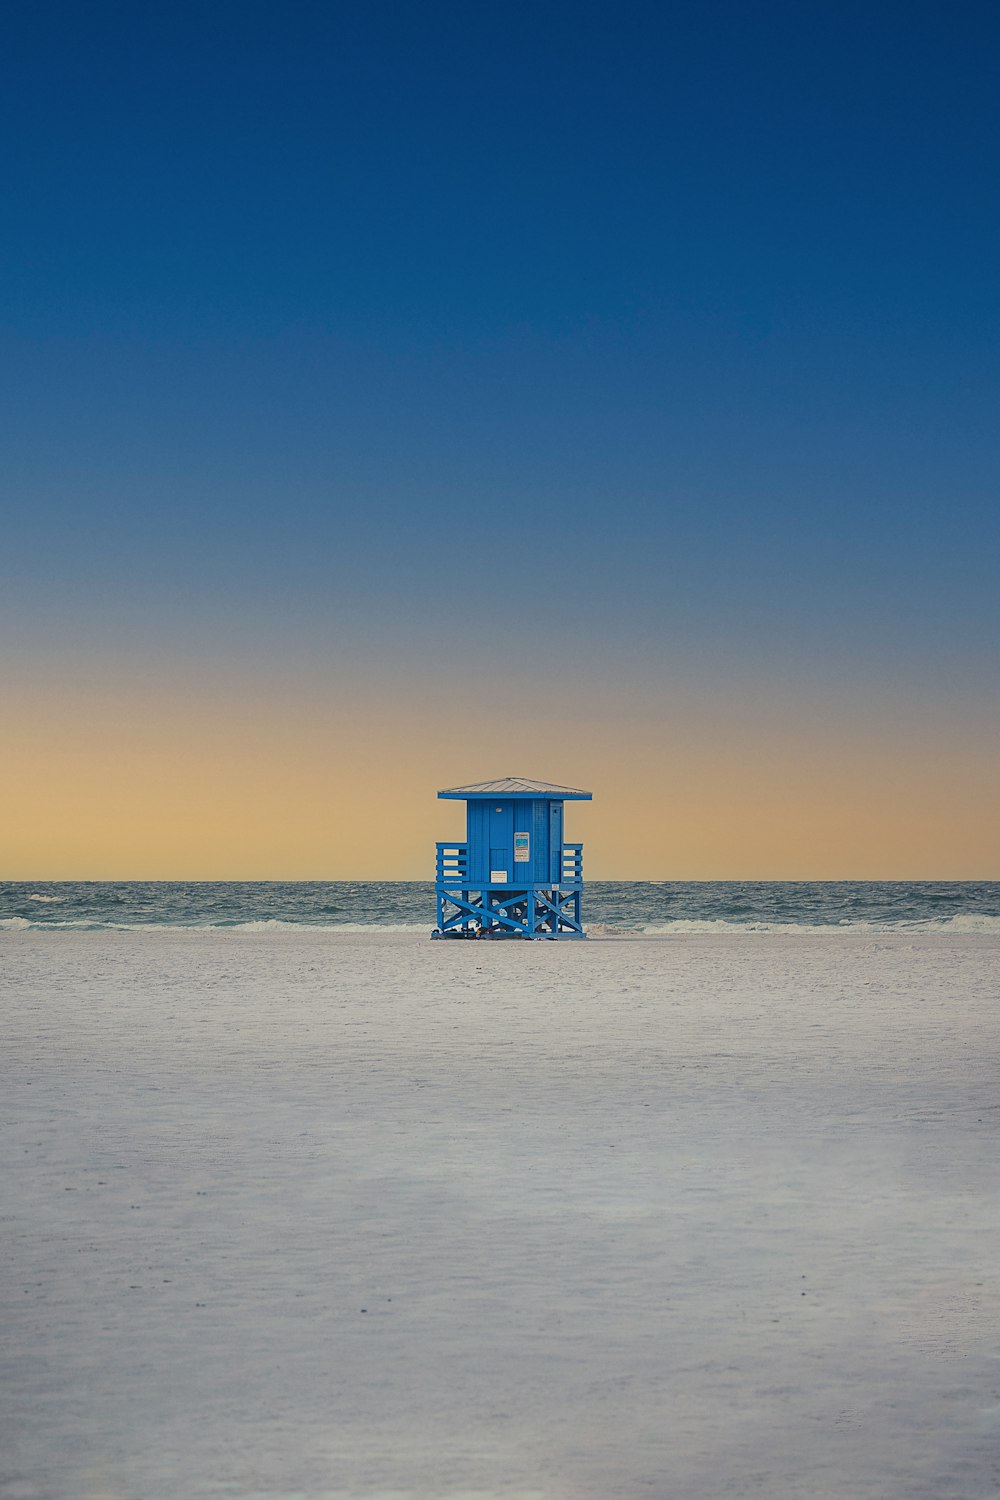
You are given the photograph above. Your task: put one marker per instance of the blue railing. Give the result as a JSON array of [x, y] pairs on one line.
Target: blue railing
[[572, 864], [452, 864]]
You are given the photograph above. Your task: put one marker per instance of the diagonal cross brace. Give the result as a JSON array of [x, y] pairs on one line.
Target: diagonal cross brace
[[466, 908]]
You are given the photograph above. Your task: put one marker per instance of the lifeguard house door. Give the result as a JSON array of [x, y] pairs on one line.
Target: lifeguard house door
[[555, 842], [501, 842]]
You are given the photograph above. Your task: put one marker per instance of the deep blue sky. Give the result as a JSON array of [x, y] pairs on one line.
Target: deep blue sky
[[308, 310]]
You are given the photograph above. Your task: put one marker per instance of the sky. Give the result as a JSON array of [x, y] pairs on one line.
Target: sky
[[394, 396]]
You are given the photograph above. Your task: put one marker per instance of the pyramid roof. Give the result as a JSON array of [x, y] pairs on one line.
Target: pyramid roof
[[517, 786]]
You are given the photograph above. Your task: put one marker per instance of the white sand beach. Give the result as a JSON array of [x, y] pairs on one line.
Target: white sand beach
[[314, 1215]]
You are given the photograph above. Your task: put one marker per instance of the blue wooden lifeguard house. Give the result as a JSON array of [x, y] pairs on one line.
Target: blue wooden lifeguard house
[[514, 876]]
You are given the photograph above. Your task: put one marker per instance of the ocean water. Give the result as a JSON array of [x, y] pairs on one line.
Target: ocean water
[[610, 907]]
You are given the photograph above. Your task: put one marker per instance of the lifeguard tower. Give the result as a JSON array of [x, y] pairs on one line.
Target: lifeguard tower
[[514, 876]]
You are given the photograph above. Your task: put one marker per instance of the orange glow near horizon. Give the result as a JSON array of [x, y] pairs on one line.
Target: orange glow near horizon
[[132, 782]]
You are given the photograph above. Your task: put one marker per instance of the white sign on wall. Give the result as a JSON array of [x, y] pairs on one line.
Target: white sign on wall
[[522, 849]]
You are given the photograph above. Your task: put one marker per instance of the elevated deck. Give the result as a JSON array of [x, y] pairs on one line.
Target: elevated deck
[[467, 909]]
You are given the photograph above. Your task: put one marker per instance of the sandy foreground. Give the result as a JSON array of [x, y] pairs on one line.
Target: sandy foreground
[[317, 1215]]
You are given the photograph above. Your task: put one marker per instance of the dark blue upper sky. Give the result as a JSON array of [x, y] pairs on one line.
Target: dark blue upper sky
[[307, 307]]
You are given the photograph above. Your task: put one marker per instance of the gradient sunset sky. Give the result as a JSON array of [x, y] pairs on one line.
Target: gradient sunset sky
[[400, 395]]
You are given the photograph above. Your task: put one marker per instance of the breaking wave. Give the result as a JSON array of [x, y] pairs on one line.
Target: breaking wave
[[269, 924], [681, 927], [719, 926], [611, 909]]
